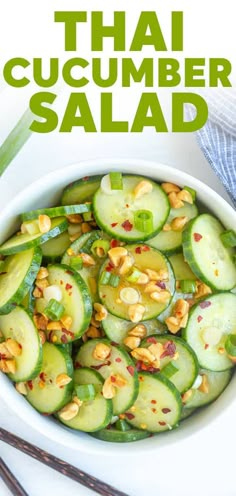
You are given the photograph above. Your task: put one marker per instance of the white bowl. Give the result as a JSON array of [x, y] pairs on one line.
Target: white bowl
[[46, 192]]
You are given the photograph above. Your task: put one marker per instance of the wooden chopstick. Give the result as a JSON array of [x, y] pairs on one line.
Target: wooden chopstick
[[61, 466], [10, 480]]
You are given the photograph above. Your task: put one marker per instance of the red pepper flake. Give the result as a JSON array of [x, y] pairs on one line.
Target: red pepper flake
[[113, 343], [154, 410], [114, 243], [152, 370], [130, 416], [2, 273], [68, 286], [138, 250], [197, 237], [154, 402], [151, 340], [127, 226], [69, 333], [114, 224], [64, 339], [42, 376], [20, 346], [206, 346], [161, 285], [97, 367], [46, 414], [130, 369], [145, 248], [113, 379], [109, 267], [2, 356], [118, 360], [50, 336], [85, 178], [199, 318], [170, 349], [162, 423], [77, 365], [30, 385], [69, 272], [205, 304], [166, 410], [144, 366]]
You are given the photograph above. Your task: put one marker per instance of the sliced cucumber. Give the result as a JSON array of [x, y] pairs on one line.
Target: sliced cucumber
[[112, 435], [209, 323], [118, 362], [55, 248], [28, 301], [17, 276], [19, 326], [81, 190], [217, 382], [144, 258], [208, 258], [186, 362], [181, 269], [117, 329], [75, 299], [43, 393], [57, 211], [115, 213], [171, 241], [95, 414], [22, 242], [169, 310], [158, 405], [186, 412]]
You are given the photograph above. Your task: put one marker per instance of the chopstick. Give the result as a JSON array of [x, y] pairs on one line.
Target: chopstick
[[61, 466], [10, 480]]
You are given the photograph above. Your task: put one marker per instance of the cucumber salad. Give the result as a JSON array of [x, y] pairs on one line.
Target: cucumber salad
[[118, 307]]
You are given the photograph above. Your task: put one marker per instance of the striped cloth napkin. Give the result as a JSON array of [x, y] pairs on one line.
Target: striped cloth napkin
[[217, 139]]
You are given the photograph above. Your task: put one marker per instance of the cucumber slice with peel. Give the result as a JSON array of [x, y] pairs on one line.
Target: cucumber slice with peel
[[117, 329], [57, 211], [158, 405], [216, 381], [209, 323], [208, 258], [17, 276], [19, 326], [112, 435], [118, 362], [22, 242], [81, 190], [44, 393], [181, 269], [94, 414], [115, 213], [55, 248]]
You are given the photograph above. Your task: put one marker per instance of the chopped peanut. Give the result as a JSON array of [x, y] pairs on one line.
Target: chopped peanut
[[4, 352], [93, 332], [41, 321], [108, 389], [74, 218], [151, 288], [70, 252], [77, 401], [181, 308], [160, 297], [202, 290], [13, 347], [142, 188], [75, 236], [85, 227], [166, 228], [21, 388], [3, 366], [175, 202], [54, 326], [178, 223], [11, 365], [170, 188], [143, 279], [44, 223], [63, 380], [66, 322], [156, 349], [185, 196], [42, 283], [139, 331], [172, 324], [184, 321], [69, 411], [37, 293], [143, 354], [101, 312], [186, 396], [88, 261], [204, 387], [94, 322], [42, 273], [116, 255], [136, 312], [126, 264], [101, 351], [118, 380], [132, 342]]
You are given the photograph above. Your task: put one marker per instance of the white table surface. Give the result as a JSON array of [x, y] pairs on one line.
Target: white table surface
[[203, 464]]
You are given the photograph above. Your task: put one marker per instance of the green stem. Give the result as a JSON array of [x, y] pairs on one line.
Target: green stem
[[15, 140]]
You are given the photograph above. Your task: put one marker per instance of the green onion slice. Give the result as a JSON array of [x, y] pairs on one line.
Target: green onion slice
[[76, 262], [143, 220], [85, 392], [228, 238], [88, 216], [105, 277], [54, 310], [122, 425], [114, 280], [116, 180], [104, 244], [188, 286], [230, 345], [134, 276], [169, 370]]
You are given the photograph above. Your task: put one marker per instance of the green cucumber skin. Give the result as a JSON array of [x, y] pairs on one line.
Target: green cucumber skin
[[38, 364], [57, 211], [189, 256], [114, 436], [26, 284], [88, 309], [78, 190], [67, 390], [139, 238], [54, 255], [55, 231], [198, 399]]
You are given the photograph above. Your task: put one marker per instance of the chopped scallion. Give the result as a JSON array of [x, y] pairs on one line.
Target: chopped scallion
[[116, 180], [122, 425], [228, 238], [134, 276], [85, 392], [105, 277], [143, 220], [88, 216], [114, 280], [76, 262], [169, 370], [188, 286], [103, 245], [54, 310], [230, 345]]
